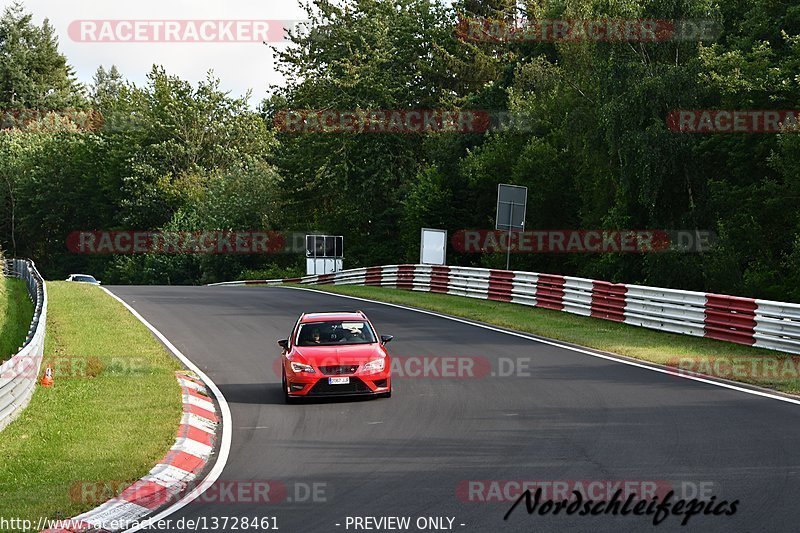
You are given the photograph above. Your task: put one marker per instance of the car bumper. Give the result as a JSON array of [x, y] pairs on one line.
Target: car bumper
[[306, 386]]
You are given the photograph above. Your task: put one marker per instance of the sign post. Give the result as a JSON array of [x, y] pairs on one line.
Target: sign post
[[324, 254], [512, 205], [433, 246]]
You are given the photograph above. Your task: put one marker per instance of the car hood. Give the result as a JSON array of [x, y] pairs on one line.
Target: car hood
[[339, 355]]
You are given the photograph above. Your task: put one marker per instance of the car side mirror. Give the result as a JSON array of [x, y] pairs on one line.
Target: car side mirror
[[386, 338], [284, 343]]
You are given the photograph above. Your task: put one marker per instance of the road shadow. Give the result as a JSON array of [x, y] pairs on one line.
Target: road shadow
[[271, 394]]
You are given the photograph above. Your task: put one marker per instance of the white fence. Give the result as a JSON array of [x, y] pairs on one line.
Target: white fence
[[762, 323], [19, 374]]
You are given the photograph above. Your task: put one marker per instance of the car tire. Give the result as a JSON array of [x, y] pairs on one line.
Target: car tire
[[289, 400], [387, 394]]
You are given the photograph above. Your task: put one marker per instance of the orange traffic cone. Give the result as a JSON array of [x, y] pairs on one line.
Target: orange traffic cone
[[47, 379]]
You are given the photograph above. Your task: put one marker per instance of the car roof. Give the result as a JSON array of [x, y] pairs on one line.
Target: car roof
[[321, 317]]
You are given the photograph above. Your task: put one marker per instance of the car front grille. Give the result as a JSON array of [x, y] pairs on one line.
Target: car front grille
[[338, 370], [323, 388]]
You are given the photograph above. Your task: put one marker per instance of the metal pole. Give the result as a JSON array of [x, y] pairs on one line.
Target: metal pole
[[508, 242]]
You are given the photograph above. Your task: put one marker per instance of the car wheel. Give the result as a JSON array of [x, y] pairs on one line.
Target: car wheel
[[387, 394], [286, 398]]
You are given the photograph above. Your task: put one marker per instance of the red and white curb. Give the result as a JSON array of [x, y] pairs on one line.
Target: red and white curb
[[171, 478], [194, 427]]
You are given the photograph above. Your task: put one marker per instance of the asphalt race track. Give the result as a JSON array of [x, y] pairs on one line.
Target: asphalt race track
[[574, 418]]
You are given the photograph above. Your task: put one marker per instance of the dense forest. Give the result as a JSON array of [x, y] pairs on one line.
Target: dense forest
[[597, 151]]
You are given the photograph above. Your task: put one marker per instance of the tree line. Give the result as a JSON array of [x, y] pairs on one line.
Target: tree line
[[596, 152]]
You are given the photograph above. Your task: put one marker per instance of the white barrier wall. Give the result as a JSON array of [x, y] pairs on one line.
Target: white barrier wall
[[19, 374], [762, 323]]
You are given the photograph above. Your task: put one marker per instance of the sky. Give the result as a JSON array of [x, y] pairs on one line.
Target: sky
[[239, 65]]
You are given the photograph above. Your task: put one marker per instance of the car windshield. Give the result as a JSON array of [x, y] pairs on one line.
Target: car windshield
[[88, 279], [335, 333]]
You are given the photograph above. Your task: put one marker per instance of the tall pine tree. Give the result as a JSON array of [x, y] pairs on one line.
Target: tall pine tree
[[33, 73]]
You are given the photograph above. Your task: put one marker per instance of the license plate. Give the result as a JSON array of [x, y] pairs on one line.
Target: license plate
[[338, 381]]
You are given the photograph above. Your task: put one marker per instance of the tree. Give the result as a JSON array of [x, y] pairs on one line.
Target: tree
[[33, 73], [365, 55]]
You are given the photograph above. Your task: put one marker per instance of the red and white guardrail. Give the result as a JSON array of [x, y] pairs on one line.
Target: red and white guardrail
[[761, 323]]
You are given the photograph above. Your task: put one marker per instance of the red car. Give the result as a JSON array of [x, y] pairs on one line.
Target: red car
[[335, 354]]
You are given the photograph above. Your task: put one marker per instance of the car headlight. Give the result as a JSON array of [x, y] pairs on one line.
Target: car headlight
[[300, 367], [373, 367]]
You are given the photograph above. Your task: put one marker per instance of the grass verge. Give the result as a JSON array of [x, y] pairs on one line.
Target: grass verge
[[110, 418], [756, 366], [16, 313]]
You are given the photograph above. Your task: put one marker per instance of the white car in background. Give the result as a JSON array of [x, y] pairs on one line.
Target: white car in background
[[83, 278]]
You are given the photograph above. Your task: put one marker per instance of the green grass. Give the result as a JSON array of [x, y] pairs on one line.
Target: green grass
[[623, 339], [111, 416], [16, 312]]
